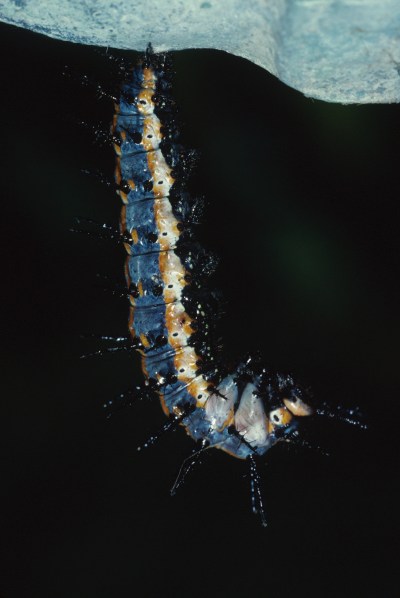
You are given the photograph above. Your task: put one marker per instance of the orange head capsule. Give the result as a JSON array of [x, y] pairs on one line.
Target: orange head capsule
[[298, 407]]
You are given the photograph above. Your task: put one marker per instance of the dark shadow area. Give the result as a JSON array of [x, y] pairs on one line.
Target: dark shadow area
[[303, 212]]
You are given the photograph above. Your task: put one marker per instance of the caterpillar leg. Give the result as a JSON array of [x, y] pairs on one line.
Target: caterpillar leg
[[257, 503], [188, 465]]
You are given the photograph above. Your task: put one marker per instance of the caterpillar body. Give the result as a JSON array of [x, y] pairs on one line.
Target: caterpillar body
[[243, 409], [246, 411]]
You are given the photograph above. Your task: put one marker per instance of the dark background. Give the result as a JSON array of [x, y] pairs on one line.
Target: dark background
[[303, 211]]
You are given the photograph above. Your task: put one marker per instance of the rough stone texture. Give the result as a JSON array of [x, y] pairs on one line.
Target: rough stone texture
[[336, 50]]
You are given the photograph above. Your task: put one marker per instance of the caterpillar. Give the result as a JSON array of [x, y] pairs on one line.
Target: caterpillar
[[244, 409]]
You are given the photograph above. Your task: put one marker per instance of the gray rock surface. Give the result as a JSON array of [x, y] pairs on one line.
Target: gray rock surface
[[336, 50]]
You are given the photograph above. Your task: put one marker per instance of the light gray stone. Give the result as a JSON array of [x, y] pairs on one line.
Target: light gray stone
[[336, 50]]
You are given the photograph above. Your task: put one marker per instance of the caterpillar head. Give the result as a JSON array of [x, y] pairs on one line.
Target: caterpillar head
[[285, 404]]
